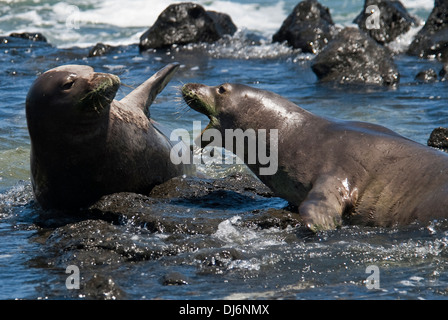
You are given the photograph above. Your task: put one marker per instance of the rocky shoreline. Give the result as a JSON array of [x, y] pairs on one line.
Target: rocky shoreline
[[105, 235]]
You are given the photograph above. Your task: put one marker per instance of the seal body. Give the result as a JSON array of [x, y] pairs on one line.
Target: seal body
[[333, 171], [85, 144]]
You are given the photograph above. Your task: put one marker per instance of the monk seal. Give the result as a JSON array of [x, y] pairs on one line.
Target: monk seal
[[85, 144], [334, 171]]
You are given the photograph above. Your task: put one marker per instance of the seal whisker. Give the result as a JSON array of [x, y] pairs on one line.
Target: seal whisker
[[182, 106], [182, 112], [178, 87], [123, 91], [128, 86]]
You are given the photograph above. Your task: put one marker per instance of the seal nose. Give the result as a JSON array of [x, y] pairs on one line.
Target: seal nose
[[192, 91], [100, 79], [101, 90]]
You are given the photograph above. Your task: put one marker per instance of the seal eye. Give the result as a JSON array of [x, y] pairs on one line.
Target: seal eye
[[221, 90], [68, 85]]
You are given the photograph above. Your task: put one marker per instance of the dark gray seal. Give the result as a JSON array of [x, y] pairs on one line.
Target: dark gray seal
[[334, 171], [85, 144]]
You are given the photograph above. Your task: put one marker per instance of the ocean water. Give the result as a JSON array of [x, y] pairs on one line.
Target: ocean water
[[265, 263]]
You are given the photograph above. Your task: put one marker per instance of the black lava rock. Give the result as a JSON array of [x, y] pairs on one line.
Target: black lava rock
[[354, 57], [99, 49], [393, 20], [439, 139], [432, 39], [309, 27], [33, 36], [443, 73], [426, 76], [174, 279], [99, 287], [186, 23]]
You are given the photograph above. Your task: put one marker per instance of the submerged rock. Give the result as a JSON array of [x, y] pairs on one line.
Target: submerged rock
[[309, 27], [99, 49], [354, 57], [185, 221], [443, 73], [426, 76], [97, 232], [392, 20], [186, 23], [432, 39], [164, 210], [33, 36], [439, 139], [99, 287], [174, 279]]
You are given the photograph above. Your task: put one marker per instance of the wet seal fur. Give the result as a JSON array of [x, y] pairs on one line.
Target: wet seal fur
[[333, 171], [85, 144]]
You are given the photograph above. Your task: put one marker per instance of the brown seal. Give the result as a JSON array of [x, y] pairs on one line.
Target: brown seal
[[85, 144], [333, 170]]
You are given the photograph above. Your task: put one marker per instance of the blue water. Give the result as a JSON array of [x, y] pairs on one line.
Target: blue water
[[274, 263]]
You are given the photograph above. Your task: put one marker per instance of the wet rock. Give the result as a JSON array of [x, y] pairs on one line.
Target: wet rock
[[97, 243], [99, 287], [33, 36], [443, 73], [195, 187], [432, 39], [156, 216], [426, 76], [174, 279], [99, 49], [276, 218], [393, 20], [439, 139], [186, 23], [354, 57], [124, 230], [166, 207], [309, 27], [213, 261]]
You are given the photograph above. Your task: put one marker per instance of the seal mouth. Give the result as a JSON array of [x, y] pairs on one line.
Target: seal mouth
[[104, 87], [193, 100], [197, 100]]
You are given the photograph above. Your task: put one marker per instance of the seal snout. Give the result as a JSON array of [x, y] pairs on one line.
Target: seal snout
[[104, 80], [104, 84], [189, 90], [195, 95], [100, 91]]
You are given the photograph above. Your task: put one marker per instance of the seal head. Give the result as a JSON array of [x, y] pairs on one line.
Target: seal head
[[78, 89]]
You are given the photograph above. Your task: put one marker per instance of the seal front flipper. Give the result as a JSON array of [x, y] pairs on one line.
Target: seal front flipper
[[325, 204], [146, 93]]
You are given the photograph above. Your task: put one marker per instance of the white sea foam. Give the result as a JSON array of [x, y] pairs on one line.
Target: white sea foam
[[66, 24], [86, 22], [233, 234], [143, 13], [130, 13], [418, 4]]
